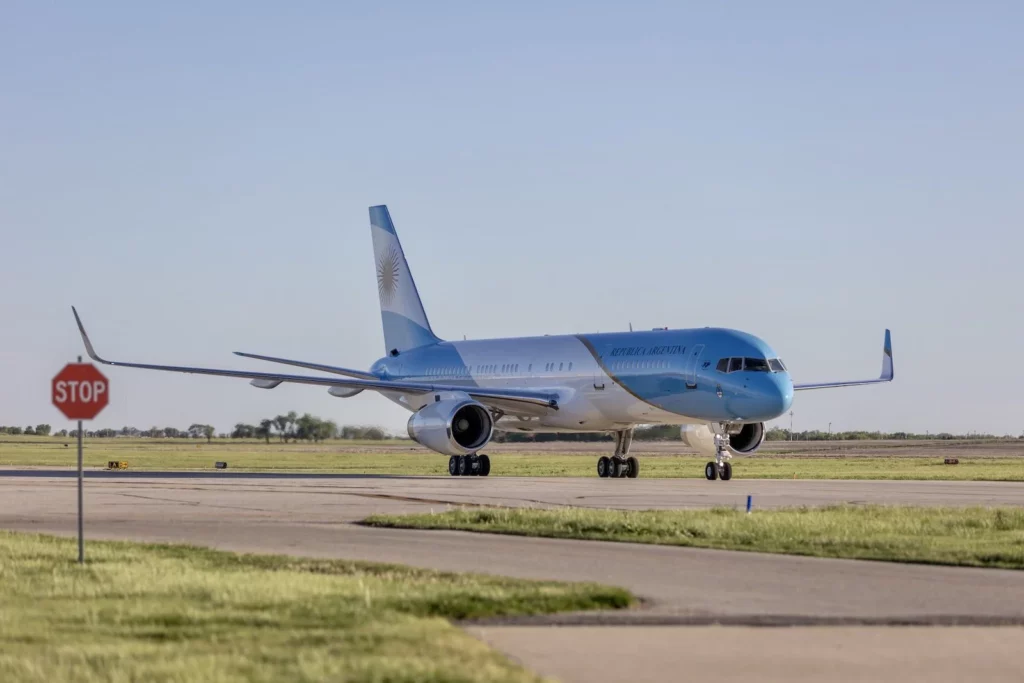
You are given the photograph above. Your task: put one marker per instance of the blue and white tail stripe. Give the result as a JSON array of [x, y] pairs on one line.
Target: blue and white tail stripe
[[401, 311]]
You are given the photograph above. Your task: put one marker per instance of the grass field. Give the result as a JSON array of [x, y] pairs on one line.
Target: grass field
[[996, 461], [981, 537], [172, 613]]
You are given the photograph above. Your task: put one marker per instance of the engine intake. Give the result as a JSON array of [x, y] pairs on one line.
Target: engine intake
[[743, 439], [452, 426]]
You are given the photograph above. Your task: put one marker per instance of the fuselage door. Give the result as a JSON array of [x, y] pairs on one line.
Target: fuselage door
[[690, 371]]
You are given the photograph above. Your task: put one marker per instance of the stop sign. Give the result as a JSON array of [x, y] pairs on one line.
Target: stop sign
[[80, 391]]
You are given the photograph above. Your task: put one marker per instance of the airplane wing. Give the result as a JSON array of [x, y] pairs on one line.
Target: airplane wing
[[886, 376], [360, 374], [501, 398]]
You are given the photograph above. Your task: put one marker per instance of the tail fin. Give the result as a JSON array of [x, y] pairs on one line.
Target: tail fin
[[405, 322]]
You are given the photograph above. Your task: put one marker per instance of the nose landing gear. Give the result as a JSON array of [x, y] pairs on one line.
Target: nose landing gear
[[719, 468]]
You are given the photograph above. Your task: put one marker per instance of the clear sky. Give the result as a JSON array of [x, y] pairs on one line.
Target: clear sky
[[195, 177]]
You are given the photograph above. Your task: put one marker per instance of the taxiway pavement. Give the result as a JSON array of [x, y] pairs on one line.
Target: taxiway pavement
[[680, 586]]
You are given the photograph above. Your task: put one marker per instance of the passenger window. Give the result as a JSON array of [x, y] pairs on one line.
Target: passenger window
[[570, 366], [559, 367], [735, 364]]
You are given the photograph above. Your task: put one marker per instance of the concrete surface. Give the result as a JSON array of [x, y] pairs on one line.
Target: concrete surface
[[633, 494], [313, 516]]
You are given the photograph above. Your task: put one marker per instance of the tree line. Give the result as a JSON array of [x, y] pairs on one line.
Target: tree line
[[38, 430], [285, 428], [306, 427], [671, 433]]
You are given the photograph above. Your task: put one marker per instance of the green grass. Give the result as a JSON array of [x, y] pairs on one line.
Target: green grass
[[980, 537], [174, 613], [404, 457]]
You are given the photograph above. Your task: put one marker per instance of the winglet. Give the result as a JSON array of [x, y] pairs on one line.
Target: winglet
[[85, 339], [887, 369]]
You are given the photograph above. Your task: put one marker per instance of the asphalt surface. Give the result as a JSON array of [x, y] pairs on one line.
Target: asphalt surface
[[680, 586], [787, 655]]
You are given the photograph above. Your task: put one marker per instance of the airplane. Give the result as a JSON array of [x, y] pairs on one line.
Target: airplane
[[719, 385]]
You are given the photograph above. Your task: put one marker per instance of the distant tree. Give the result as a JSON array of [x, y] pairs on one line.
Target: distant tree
[[156, 433], [305, 426], [43, 430], [172, 432], [293, 419], [281, 422], [29, 431], [196, 430], [243, 431], [208, 432], [62, 433], [263, 431], [326, 429], [14, 431]]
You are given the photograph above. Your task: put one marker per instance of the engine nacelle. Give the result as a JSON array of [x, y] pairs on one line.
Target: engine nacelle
[[743, 439], [452, 426]]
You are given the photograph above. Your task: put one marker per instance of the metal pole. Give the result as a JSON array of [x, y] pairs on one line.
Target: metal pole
[[81, 477]]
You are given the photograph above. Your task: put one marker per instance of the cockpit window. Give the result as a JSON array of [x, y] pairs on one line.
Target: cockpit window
[[735, 364], [723, 365], [776, 365], [755, 364]]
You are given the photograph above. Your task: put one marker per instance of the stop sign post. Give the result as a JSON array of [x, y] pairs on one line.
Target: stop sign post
[[80, 391]]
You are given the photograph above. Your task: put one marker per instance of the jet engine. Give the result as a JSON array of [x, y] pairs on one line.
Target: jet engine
[[452, 426], [743, 439]]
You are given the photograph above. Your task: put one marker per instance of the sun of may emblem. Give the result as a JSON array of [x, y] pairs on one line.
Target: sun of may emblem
[[387, 275]]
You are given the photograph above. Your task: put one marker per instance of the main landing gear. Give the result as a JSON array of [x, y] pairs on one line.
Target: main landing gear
[[619, 465], [469, 465], [719, 468]]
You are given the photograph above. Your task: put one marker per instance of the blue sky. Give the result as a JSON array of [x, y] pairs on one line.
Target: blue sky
[[195, 179]]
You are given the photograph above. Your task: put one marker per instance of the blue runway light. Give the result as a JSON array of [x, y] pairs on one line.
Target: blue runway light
[[750, 499]]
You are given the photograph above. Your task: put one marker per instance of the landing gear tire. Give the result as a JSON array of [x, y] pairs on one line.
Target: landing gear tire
[[453, 466], [604, 466], [726, 473], [632, 467], [464, 466], [711, 471], [619, 468], [485, 466]]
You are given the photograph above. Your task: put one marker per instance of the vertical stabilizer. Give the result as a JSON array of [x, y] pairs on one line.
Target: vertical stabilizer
[[401, 311]]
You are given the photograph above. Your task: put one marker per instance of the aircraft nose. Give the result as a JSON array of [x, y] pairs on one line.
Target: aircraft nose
[[779, 395], [775, 396], [766, 398]]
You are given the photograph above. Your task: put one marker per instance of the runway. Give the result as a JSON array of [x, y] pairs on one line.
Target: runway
[[626, 494], [680, 586]]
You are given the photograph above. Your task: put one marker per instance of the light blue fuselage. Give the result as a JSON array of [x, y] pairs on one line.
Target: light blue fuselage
[[607, 381]]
